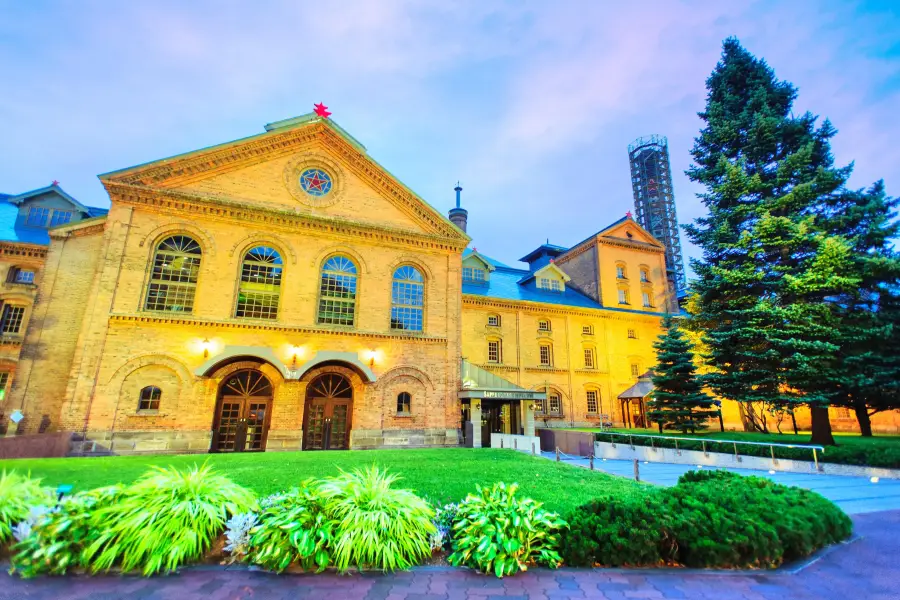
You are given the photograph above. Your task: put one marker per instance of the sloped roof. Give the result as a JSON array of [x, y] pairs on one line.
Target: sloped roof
[[9, 212], [494, 263], [504, 284], [551, 266], [544, 249], [641, 389]]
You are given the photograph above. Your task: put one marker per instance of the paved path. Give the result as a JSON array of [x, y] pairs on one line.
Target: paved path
[[866, 568], [855, 495]]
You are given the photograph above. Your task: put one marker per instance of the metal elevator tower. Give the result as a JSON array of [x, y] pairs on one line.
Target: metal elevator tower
[[654, 200]]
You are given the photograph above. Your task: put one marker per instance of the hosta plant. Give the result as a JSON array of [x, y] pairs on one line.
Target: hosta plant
[[496, 532], [56, 540], [293, 528], [18, 494], [378, 526], [165, 519]]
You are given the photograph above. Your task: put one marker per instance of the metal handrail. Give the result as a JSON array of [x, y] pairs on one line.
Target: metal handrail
[[692, 439], [676, 439]]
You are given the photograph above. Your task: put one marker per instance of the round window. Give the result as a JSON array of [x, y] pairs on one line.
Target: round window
[[315, 182]]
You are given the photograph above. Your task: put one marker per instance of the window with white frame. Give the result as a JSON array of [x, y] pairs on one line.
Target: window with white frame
[[624, 296], [635, 370], [473, 275], [554, 403], [587, 329], [495, 351], [407, 299], [543, 325], [494, 320], [173, 277], [546, 352], [645, 296], [645, 276], [588, 358], [546, 283], [632, 335], [260, 284], [621, 273], [593, 405], [337, 292], [60, 217], [539, 406], [11, 319]]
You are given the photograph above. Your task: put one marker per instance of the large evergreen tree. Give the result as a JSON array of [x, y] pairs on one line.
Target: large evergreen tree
[[678, 400], [769, 270]]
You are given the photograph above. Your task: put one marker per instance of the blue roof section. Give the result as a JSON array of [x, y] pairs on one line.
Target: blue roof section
[[504, 284], [10, 233], [494, 263]]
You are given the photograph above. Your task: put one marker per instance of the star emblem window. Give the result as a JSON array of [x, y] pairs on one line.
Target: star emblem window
[[315, 182]]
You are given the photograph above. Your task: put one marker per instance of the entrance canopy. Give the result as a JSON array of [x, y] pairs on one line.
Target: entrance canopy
[[639, 390], [484, 385]]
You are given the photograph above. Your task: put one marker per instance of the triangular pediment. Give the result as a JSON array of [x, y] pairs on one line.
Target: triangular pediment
[[628, 230], [307, 165]]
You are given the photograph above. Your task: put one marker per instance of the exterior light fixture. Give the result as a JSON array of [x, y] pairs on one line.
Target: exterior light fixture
[[771, 471], [699, 466], [476, 404], [873, 479], [205, 344], [370, 354]]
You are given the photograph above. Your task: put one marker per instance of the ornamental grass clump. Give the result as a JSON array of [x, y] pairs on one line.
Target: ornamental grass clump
[[18, 495], [496, 532], [377, 525], [165, 519], [56, 540], [292, 528]]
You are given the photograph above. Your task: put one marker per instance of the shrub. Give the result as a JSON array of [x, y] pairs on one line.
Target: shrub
[[619, 532], [495, 532], [18, 494], [293, 528], [709, 519], [444, 517], [237, 535], [166, 518], [377, 525], [57, 539]]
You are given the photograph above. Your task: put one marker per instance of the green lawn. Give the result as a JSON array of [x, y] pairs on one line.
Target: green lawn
[[852, 448], [441, 475]]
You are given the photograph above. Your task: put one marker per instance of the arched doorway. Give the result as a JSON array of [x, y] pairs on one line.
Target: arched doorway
[[243, 411], [329, 403]]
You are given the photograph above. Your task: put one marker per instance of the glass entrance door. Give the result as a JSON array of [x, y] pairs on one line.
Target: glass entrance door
[[242, 416], [329, 403]]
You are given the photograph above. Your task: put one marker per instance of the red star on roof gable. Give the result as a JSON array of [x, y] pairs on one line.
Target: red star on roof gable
[[628, 214], [321, 110]]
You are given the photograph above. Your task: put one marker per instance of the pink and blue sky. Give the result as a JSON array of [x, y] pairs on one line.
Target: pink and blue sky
[[531, 105]]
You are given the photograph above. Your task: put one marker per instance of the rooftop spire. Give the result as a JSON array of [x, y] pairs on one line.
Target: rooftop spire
[[457, 189], [458, 216]]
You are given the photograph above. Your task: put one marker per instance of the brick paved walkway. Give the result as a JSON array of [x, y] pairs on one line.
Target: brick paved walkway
[[866, 568]]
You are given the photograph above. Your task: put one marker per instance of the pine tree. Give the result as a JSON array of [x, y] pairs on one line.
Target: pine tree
[[768, 270], [678, 400]]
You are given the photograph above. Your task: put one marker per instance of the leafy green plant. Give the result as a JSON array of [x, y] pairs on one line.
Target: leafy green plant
[[18, 494], [57, 540], [496, 532], [165, 519], [293, 528], [614, 532], [377, 525]]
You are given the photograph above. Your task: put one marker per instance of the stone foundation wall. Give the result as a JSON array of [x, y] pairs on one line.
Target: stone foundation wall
[[284, 440], [364, 439], [102, 443]]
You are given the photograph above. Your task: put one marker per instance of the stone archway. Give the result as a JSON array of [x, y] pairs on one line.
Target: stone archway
[[243, 412]]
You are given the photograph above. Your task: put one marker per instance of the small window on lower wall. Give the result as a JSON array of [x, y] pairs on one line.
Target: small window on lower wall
[[150, 397], [403, 403]]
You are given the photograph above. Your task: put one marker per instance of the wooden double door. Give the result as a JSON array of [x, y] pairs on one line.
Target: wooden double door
[[243, 411], [328, 412]]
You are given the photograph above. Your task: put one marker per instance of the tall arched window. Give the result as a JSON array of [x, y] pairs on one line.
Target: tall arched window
[[260, 284], [337, 292], [407, 299], [173, 280]]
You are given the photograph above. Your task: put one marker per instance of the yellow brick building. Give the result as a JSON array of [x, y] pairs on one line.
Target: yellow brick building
[[284, 291]]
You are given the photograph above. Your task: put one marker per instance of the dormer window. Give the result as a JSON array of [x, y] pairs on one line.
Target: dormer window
[[60, 217], [37, 216], [473, 275], [545, 283]]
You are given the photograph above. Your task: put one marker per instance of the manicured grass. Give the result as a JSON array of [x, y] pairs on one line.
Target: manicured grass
[[441, 475], [851, 449]]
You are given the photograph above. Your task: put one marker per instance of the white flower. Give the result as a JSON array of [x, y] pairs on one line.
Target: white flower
[[237, 532]]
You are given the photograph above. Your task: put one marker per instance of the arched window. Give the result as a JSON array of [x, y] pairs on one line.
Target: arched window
[[403, 403], [149, 398], [407, 299], [260, 285], [173, 280], [621, 271], [337, 292]]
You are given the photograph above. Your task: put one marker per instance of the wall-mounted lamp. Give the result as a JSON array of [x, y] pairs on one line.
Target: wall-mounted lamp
[[531, 406], [205, 344], [370, 355], [476, 404]]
